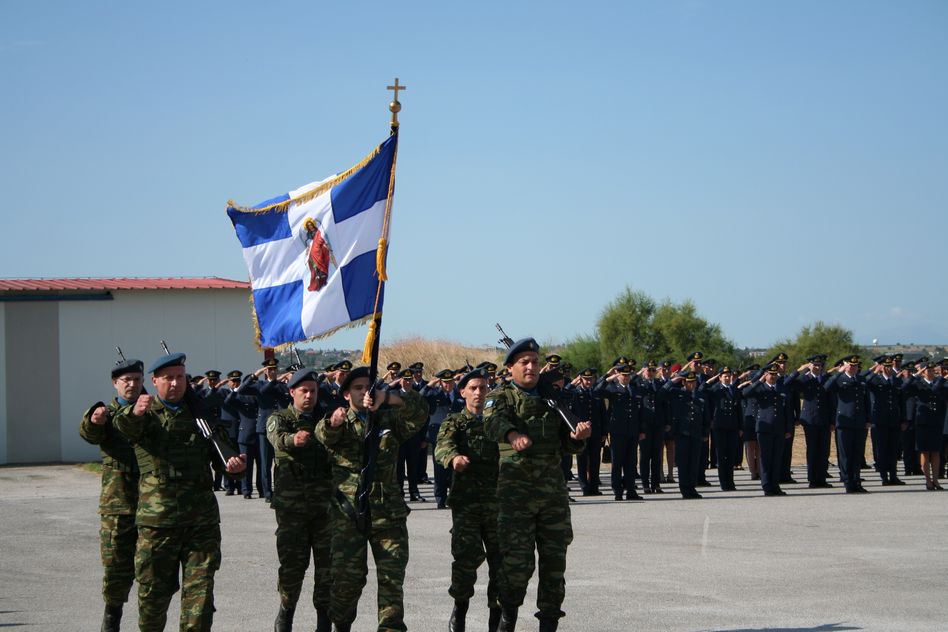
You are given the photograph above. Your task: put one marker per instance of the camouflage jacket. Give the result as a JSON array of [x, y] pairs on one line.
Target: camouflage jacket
[[463, 434], [509, 407], [174, 460], [395, 425], [119, 495], [302, 476]]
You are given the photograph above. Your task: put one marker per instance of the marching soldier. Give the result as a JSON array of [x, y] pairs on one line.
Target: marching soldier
[[302, 479], [177, 517], [534, 513], [395, 417], [118, 499], [464, 449]]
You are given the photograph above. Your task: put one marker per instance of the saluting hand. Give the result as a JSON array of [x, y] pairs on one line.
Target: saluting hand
[[338, 417], [142, 405], [460, 463], [301, 438], [99, 416]]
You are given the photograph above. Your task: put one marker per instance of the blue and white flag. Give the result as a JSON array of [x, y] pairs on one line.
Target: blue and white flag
[[314, 253]]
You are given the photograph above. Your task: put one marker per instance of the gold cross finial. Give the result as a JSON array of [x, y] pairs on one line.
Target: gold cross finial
[[395, 107]]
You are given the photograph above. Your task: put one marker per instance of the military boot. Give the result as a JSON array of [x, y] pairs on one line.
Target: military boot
[[458, 620], [549, 625], [323, 623], [284, 620], [342, 627], [112, 618], [508, 620], [493, 620]]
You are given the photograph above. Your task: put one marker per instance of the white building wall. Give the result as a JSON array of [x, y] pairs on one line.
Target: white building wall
[[3, 385], [212, 327]]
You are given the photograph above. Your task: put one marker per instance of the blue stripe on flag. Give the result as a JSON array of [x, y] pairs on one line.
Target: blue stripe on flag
[[365, 187], [254, 229], [279, 313], [359, 284]]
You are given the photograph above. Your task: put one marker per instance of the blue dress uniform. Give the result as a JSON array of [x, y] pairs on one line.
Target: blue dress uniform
[[246, 407], [625, 426], [910, 459], [230, 418], [727, 417], [587, 405], [440, 405], [885, 394], [271, 395], [816, 416], [690, 418], [851, 397], [653, 425], [771, 426], [929, 413]]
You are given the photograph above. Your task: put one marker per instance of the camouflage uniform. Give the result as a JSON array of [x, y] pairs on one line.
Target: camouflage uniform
[[302, 479], [178, 519], [117, 503], [534, 502], [388, 533], [473, 502]]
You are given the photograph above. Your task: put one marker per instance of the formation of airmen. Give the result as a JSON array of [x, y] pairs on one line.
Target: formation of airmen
[[331, 453]]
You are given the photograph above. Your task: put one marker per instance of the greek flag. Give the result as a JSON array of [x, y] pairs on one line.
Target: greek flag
[[316, 255]]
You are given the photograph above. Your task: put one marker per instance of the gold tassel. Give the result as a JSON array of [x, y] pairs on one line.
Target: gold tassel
[[369, 343], [380, 256]]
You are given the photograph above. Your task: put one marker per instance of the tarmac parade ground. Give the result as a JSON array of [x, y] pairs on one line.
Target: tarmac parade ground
[[816, 560]]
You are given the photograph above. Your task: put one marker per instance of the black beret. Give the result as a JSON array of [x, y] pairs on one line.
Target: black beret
[[472, 375], [270, 362], [213, 373], [235, 375], [354, 374], [172, 359], [128, 366], [523, 345], [303, 375]]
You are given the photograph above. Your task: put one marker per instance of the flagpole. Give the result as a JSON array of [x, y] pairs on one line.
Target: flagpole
[[375, 327]]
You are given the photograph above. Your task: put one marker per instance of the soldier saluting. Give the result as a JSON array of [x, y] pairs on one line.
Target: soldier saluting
[[118, 499]]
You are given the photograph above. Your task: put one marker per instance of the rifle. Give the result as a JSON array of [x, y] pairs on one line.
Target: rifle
[[565, 414], [224, 450], [120, 354], [299, 360]]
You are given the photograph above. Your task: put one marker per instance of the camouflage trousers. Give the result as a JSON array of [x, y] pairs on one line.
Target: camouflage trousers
[[473, 540], [162, 552], [299, 537], [117, 537], [389, 542], [534, 517]]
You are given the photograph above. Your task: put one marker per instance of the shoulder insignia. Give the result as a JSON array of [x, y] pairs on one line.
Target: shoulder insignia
[[271, 425]]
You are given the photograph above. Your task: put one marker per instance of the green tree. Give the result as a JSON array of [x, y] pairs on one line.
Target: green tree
[[834, 340], [582, 352]]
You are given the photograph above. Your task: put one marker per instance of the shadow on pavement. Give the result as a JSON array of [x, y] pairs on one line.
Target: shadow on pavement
[[829, 627]]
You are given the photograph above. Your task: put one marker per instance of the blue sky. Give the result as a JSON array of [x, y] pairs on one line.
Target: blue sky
[[777, 163]]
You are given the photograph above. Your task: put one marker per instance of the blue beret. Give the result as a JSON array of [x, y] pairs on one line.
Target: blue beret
[[521, 346], [303, 375], [128, 366], [172, 359], [472, 375], [354, 374]]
